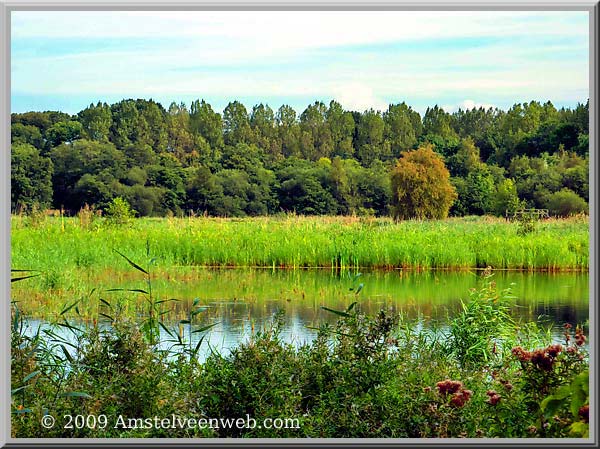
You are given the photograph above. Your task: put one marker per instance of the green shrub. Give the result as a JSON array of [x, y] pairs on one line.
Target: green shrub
[[565, 203], [119, 212]]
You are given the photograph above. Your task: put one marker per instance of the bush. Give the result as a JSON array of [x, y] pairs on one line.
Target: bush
[[119, 212], [565, 202]]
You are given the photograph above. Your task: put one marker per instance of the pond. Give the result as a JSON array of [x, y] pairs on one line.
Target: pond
[[244, 301]]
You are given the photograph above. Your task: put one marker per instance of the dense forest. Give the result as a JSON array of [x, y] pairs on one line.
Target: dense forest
[[325, 161]]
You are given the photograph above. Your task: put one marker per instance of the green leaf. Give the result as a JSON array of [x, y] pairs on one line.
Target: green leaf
[[166, 329], [24, 277], [110, 318], [16, 320], [198, 345], [106, 303], [198, 310], [31, 376], [205, 328], [550, 405], [135, 290], [66, 353], [166, 300], [337, 312], [351, 306], [133, 264], [68, 326], [66, 309], [16, 390], [580, 429], [75, 394], [579, 395]]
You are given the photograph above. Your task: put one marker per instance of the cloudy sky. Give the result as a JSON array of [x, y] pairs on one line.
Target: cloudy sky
[[66, 60]]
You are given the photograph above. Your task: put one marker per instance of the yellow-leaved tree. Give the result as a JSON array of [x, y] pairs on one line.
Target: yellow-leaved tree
[[421, 186]]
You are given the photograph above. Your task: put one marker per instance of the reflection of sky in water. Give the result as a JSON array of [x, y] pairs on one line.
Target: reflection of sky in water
[[242, 304]]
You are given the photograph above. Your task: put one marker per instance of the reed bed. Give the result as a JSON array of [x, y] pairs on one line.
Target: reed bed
[[61, 244]]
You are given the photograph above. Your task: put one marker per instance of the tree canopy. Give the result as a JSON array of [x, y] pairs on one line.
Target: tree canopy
[[322, 160]]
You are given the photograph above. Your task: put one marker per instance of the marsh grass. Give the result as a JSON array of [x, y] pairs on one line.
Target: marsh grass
[[295, 242]]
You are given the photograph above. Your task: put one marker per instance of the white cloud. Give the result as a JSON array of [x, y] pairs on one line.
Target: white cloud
[[296, 53], [295, 29], [466, 105], [357, 96]]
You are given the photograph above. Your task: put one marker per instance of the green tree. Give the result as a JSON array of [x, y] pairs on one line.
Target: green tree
[[60, 132], [341, 129], [436, 121], [236, 125], [96, 121], [506, 200], [371, 144], [31, 178], [207, 123], [421, 186], [399, 128], [262, 122], [465, 160], [28, 134], [127, 125], [204, 193], [72, 161], [289, 131], [480, 190], [189, 148], [300, 190], [316, 140], [119, 212]]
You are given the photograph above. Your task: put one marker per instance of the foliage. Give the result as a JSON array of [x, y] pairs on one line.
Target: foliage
[[104, 151], [31, 178], [421, 186], [506, 200], [119, 212], [565, 202], [483, 322]]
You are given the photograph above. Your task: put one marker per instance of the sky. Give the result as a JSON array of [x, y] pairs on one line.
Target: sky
[[63, 60]]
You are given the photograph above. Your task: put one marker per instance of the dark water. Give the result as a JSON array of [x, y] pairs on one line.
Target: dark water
[[243, 302]]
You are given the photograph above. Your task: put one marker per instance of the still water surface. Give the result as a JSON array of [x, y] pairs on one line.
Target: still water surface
[[244, 301]]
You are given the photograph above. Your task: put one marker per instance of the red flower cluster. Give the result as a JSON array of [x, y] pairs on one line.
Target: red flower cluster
[[459, 397], [521, 354], [579, 336], [494, 397], [542, 358], [449, 386]]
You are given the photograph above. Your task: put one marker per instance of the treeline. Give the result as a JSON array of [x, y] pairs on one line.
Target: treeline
[[325, 161]]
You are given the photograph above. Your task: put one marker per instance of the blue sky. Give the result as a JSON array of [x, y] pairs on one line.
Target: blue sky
[[67, 60]]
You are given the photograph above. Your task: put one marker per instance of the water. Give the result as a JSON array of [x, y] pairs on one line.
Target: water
[[243, 301]]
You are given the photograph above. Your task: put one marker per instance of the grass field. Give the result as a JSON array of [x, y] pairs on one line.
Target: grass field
[[60, 244]]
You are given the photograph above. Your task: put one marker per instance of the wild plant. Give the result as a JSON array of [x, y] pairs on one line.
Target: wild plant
[[187, 347], [150, 326], [554, 380], [476, 334]]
